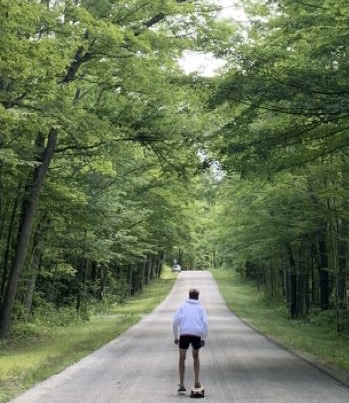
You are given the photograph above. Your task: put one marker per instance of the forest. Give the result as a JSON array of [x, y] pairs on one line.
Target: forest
[[114, 161]]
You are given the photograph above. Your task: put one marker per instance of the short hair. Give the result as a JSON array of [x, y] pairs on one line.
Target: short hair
[[194, 293]]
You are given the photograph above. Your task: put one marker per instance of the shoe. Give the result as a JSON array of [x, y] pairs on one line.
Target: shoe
[[181, 389], [197, 385]]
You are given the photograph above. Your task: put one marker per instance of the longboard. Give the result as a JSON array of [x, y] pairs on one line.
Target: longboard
[[197, 392]]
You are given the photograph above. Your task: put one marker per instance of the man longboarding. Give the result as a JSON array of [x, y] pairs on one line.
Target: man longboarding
[[190, 328]]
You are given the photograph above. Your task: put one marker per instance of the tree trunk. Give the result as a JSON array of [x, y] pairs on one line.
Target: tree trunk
[[5, 261], [103, 280], [31, 282], [291, 286], [130, 281], [29, 207], [301, 306], [324, 277]]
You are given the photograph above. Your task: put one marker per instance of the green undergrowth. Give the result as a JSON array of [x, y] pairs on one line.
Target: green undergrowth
[[41, 350], [314, 338]]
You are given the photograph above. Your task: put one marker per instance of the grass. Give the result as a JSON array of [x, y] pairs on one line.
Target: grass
[[48, 350], [315, 338]]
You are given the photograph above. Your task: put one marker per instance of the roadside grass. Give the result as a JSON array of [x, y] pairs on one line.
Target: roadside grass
[[48, 350], [314, 338]]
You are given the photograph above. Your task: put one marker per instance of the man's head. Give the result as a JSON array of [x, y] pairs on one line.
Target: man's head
[[194, 293]]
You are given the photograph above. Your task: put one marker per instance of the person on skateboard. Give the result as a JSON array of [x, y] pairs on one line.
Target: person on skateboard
[[190, 328]]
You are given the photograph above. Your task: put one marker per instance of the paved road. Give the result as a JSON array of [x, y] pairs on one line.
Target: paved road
[[238, 364]]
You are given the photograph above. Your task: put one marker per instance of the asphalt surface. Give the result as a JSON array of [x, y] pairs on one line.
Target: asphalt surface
[[237, 363]]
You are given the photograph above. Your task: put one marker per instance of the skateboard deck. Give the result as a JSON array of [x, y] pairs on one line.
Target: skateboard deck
[[197, 392]]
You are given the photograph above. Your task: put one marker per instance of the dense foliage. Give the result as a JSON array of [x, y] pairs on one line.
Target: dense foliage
[[99, 140], [283, 209], [112, 161]]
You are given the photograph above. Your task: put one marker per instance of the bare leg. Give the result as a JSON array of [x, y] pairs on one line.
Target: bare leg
[[181, 366], [196, 366]]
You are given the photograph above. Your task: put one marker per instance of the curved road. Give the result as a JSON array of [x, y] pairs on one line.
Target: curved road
[[237, 365]]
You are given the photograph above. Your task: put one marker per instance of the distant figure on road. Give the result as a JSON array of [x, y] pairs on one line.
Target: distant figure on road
[[190, 327]]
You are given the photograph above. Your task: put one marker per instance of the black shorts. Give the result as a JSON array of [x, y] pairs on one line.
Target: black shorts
[[187, 339]]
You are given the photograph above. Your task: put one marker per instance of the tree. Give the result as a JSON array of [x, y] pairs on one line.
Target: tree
[[284, 98], [85, 86], [288, 85]]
